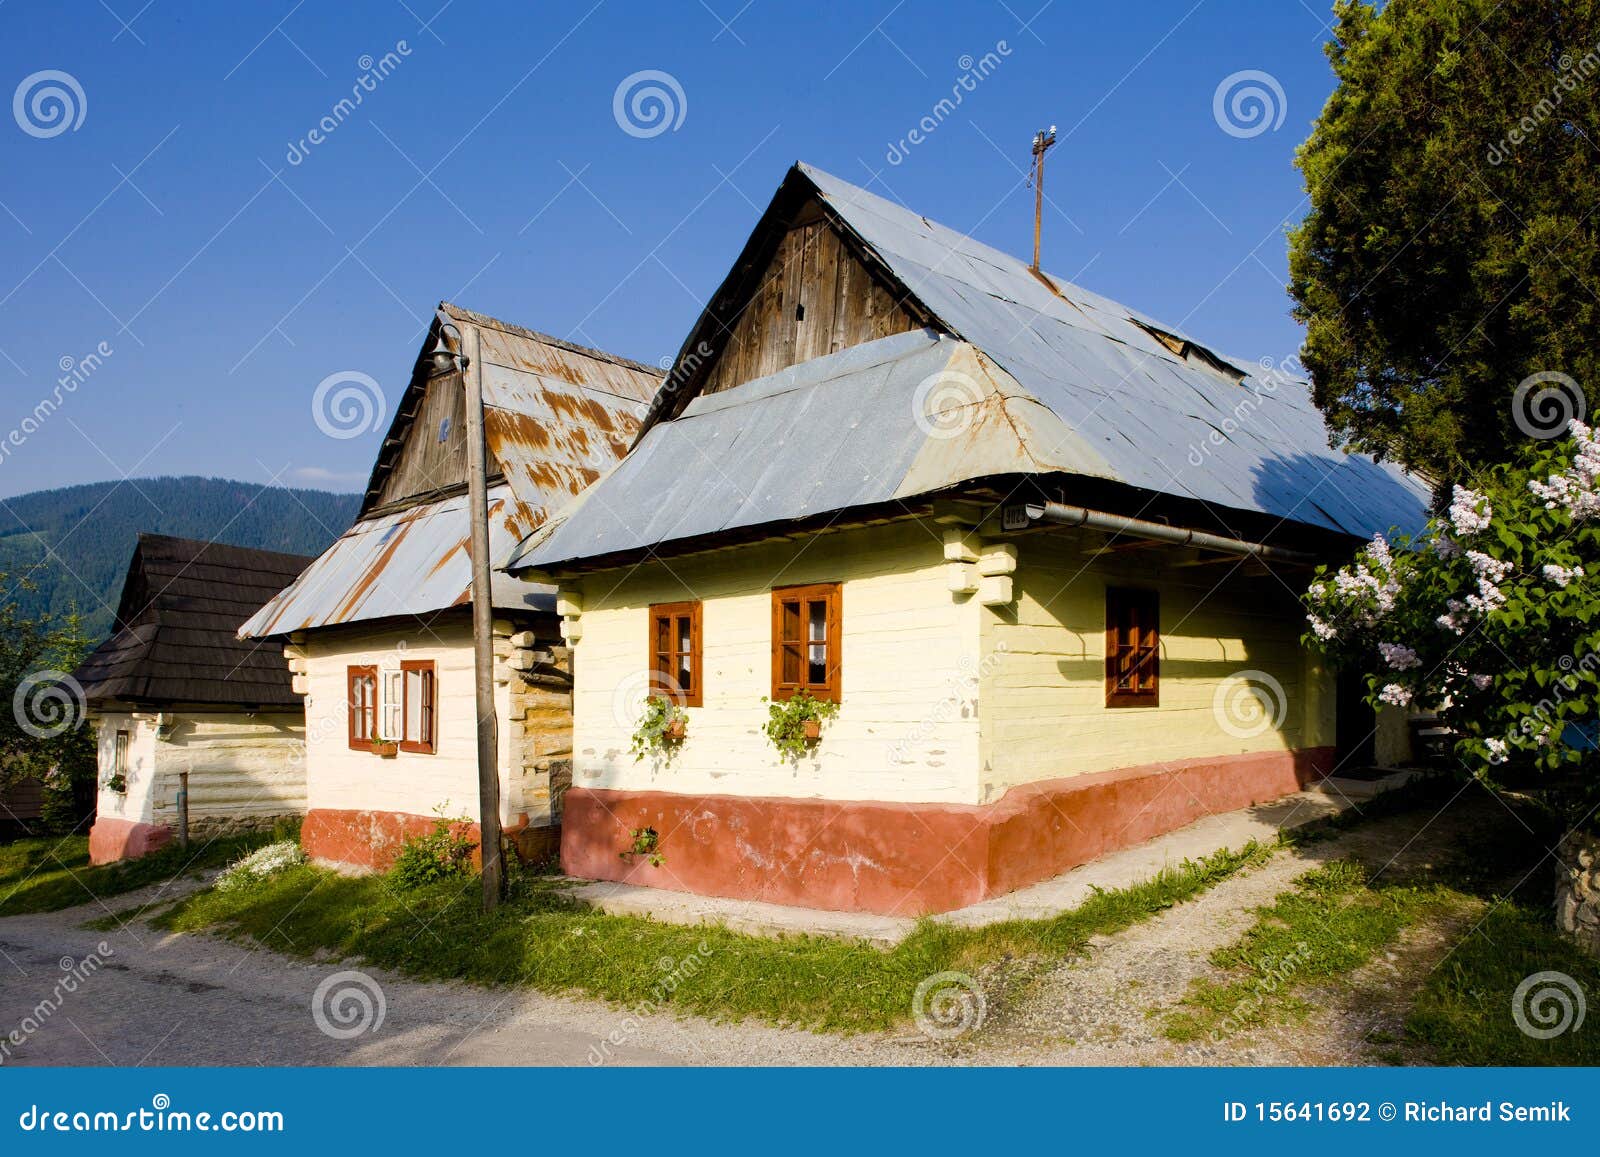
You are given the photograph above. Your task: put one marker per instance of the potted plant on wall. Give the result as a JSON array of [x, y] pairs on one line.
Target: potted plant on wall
[[663, 726], [387, 748], [794, 725]]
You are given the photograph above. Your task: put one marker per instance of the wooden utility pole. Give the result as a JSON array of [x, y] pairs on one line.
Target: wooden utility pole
[[1041, 142], [482, 625]]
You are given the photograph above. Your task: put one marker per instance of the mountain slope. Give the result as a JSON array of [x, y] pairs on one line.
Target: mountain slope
[[73, 544]]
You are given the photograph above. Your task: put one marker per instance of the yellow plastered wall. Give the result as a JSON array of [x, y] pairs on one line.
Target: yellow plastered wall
[[907, 729], [340, 778], [1042, 690]]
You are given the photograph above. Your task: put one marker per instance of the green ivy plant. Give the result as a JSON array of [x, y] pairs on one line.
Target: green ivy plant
[[787, 719], [117, 782], [663, 726], [645, 842]]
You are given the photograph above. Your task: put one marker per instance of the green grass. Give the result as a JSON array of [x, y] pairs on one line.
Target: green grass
[[544, 941], [1330, 924], [51, 872], [1463, 1012]]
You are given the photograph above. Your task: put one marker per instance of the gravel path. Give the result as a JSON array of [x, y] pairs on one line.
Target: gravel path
[[167, 999], [1104, 1009], [159, 998]]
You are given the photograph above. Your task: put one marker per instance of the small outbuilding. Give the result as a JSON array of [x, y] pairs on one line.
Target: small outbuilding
[[378, 630], [178, 698]]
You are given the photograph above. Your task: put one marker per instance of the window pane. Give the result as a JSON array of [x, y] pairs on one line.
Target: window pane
[[817, 663], [791, 663], [685, 675], [684, 635], [817, 621], [414, 704], [791, 621], [664, 633]]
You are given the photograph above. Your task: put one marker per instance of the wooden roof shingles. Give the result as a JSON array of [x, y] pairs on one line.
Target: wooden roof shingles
[[175, 638]]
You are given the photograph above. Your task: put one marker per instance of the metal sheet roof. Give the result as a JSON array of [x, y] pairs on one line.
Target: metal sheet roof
[[1087, 389], [556, 415], [413, 562]]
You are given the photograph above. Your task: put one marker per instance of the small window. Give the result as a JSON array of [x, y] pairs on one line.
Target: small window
[[119, 754], [362, 702], [417, 710], [1133, 648], [675, 653], [806, 629]]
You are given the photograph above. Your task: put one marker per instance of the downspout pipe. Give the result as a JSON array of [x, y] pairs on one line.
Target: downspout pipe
[[1063, 514]]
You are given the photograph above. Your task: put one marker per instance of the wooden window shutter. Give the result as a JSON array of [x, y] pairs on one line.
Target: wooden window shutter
[[1133, 648]]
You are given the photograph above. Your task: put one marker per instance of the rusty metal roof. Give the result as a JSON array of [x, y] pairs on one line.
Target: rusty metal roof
[[556, 415], [1076, 384], [412, 562]]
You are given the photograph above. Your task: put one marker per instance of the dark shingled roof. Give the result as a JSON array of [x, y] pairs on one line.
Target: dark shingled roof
[[175, 637]]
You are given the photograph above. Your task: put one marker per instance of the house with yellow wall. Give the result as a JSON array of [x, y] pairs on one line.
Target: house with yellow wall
[[1035, 554], [377, 631]]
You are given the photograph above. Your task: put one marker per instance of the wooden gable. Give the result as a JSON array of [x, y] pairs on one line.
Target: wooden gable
[[432, 456], [815, 297], [804, 286]]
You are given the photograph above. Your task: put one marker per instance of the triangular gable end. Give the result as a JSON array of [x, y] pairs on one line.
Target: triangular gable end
[[424, 454], [804, 286]]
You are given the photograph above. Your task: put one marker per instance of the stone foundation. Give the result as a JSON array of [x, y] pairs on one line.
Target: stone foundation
[[1578, 889]]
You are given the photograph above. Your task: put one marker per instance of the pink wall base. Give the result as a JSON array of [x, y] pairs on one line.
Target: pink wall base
[[910, 859], [112, 839]]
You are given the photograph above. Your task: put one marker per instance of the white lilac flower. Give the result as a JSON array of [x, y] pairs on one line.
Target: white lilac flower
[[1482, 682], [1470, 512], [1455, 620], [1322, 630], [1497, 749], [1399, 656], [1562, 576], [1395, 695]]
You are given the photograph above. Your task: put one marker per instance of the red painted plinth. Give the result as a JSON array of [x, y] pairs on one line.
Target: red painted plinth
[[909, 859], [112, 839]]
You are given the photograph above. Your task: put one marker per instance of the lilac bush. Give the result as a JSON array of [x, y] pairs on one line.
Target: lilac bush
[[1491, 615]]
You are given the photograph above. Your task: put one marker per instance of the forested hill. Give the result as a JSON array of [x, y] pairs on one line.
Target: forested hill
[[90, 530]]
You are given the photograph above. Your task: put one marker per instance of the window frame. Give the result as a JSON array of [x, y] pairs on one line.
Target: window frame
[[428, 714], [663, 679], [1145, 604], [354, 673], [121, 744], [831, 594]]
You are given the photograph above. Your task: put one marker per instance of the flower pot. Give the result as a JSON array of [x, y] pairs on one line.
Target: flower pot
[[811, 729], [386, 750], [675, 730]]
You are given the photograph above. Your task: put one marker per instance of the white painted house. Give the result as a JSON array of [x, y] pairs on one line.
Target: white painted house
[[1040, 551], [176, 697], [377, 631]]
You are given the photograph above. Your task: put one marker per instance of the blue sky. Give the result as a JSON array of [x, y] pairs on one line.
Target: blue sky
[[172, 227]]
